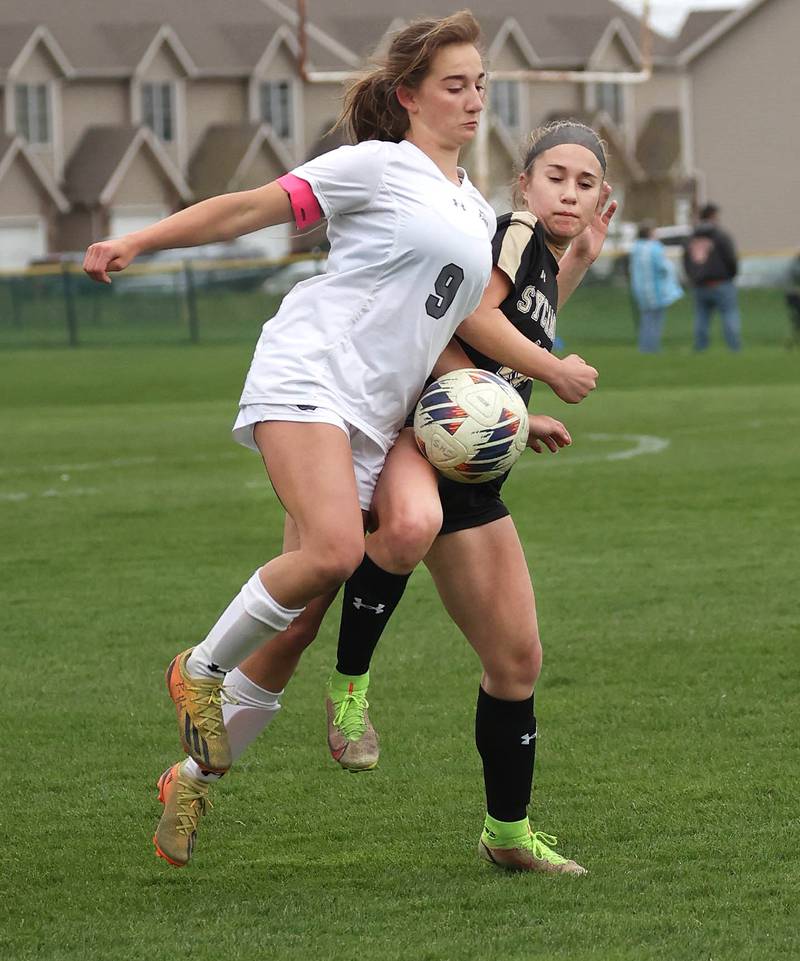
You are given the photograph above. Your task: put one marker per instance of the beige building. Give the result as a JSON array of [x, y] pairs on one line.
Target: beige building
[[110, 121], [742, 122]]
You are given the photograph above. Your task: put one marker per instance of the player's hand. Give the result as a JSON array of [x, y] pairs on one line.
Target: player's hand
[[589, 242], [108, 255], [548, 431], [575, 379]]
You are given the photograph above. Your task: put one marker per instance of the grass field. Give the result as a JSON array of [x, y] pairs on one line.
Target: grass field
[[664, 547]]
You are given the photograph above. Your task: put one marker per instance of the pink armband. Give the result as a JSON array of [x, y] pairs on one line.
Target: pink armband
[[305, 205]]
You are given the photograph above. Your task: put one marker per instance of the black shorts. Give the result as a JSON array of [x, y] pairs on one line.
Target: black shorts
[[471, 505]]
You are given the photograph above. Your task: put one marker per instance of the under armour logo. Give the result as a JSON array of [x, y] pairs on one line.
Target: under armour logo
[[377, 609], [527, 738], [458, 203]]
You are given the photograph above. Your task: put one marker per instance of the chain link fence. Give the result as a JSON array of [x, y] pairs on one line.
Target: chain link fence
[[193, 302]]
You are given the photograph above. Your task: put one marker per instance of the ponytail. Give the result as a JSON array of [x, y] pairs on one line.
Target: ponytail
[[371, 109]]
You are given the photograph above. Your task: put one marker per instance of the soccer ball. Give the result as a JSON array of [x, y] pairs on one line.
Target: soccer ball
[[471, 425]]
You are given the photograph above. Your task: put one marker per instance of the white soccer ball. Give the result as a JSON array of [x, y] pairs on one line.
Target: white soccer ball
[[471, 425]]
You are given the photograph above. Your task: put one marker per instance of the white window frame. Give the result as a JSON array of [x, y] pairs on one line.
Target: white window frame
[[618, 115], [270, 105], [163, 122], [32, 122], [505, 101]]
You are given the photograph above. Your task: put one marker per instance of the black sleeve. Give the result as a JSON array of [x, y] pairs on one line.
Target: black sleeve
[[728, 253]]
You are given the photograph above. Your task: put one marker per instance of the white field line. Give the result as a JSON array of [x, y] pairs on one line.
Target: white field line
[[642, 444], [114, 463], [635, 446], [639, 444], [18, 496]]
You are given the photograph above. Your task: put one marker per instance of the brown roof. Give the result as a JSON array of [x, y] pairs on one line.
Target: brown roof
[[659, 145], [560, 31], [218, 37], [695, 25], [94, 161], [218, 155], [222, 149], [229, 38], [97, 158]]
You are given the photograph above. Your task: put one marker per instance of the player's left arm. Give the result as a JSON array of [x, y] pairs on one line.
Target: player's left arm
[[548, 431], [586, 247]]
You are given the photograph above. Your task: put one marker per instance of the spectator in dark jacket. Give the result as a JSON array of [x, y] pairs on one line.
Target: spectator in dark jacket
[[711, 264]]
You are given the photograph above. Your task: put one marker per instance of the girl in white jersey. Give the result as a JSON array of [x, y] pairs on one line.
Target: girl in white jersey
[[337, 369], [408, 514]]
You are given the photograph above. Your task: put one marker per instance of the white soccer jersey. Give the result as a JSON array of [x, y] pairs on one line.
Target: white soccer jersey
[[410, 258]]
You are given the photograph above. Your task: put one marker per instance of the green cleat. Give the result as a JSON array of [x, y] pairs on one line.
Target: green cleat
[[352, 739], [531, 852], [185, 800]]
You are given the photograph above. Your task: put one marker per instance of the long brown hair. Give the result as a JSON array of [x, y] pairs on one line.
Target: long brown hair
[[371, 109]]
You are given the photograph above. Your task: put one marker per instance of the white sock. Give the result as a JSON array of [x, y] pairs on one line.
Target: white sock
[[252, 617], [244, 721]]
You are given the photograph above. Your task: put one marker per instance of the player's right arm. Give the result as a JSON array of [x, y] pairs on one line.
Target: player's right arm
[[217, 219], [492, 333]]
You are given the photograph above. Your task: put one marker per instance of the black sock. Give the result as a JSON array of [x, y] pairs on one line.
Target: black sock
[[370, 597], [505, 735]]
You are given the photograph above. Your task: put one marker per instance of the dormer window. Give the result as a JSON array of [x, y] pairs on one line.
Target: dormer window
[[158, 109], [33, 120], [610, 98], [504, 100], [275, 107]]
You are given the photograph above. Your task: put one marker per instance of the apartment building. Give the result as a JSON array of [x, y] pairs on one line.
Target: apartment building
[[111, 119]]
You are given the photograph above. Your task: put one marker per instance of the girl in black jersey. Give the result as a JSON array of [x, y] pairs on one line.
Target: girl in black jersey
[[464, 532], [477, 557]]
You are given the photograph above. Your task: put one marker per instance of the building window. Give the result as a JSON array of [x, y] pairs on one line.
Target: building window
[[33, 112], [276, 107], [504, 100], [609, 97], [158, 109]]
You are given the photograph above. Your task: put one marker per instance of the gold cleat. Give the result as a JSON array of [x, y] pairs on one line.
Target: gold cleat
[[198, 703], [185, 800]]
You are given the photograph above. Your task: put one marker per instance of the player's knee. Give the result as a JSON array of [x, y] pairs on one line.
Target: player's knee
[[410, 533], [333, 563], [518, 666]]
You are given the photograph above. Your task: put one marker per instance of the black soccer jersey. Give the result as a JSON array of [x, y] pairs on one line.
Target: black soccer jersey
[[520, 251]]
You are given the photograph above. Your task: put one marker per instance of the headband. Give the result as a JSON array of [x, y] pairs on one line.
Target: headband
[[568, 133]]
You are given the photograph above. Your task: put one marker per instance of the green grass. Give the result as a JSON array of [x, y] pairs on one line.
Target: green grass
[[667, 708]]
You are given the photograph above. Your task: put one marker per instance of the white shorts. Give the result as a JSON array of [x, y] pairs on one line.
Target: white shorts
[[368, 455]]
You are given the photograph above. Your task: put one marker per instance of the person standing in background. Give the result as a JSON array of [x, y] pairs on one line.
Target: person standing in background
[[654, 286], [710, 262]]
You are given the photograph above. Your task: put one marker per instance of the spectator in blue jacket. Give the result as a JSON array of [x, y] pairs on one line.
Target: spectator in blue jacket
[[655, 287]]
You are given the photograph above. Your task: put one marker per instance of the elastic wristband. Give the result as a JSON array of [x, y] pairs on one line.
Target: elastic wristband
[[305, 206]]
